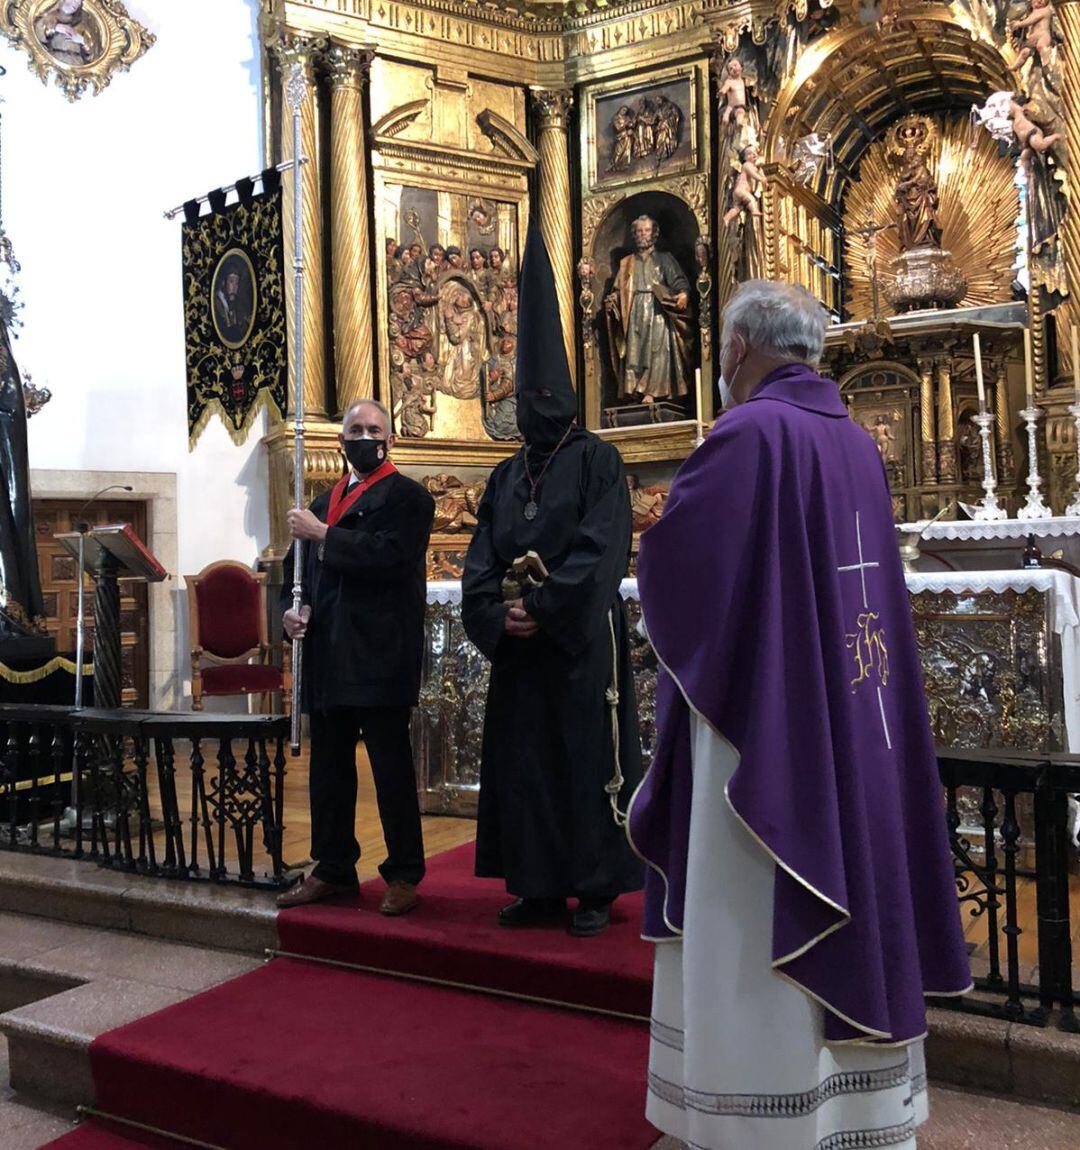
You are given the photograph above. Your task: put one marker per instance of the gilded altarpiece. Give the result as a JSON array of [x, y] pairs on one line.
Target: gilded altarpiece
[[757, 136], [645, 156]]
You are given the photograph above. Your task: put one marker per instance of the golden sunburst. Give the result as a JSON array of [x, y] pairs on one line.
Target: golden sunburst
[[977, 212]]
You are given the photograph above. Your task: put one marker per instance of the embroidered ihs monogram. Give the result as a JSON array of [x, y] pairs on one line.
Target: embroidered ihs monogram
[[869, 651]]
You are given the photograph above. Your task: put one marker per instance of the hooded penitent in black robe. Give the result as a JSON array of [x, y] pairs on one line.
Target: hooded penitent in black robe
[[20, 586], [546, 822]]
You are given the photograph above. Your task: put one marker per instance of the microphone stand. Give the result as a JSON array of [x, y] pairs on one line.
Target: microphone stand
[[71, 815]]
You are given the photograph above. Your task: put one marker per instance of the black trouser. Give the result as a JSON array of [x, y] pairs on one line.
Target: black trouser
[[334, 735]]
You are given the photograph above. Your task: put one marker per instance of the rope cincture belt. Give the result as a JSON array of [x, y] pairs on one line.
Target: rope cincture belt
[[615, 785]]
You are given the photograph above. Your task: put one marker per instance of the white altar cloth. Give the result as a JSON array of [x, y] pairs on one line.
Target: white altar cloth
[[977, 529], [1063, 589]]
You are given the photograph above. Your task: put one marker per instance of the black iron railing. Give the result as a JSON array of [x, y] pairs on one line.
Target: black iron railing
[[169, 795], [1008, 819]]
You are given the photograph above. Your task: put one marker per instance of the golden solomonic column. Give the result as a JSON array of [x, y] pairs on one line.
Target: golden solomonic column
[[303, 50], [347, 71], [552, 113], [945, 428], [928, 429], [1060, 428]]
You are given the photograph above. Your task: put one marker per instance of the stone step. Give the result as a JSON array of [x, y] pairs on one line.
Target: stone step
[[204, 914], [963, 1050], [62, 985], [1006, 1058], [26, 1125]]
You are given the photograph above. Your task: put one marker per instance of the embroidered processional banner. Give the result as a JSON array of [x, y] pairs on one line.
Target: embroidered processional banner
[[234, 308]]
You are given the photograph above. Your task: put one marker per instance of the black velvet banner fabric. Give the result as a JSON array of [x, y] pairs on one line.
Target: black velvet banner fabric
[[234, 308]]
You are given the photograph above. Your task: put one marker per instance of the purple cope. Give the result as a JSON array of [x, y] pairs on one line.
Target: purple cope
[[774, 596]]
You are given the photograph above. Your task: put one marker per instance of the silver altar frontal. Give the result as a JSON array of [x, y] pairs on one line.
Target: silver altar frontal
[[448, 725], [1000, 656]]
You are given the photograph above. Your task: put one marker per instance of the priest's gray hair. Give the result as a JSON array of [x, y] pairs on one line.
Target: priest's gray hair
[[780, 320], [379, 407]]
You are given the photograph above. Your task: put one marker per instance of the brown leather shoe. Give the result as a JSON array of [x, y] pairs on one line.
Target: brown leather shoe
[[400, 898], [313, 889]]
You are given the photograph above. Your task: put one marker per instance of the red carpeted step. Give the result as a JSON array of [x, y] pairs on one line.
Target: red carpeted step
[[297, 1054], [453, 935], [100, 1136]]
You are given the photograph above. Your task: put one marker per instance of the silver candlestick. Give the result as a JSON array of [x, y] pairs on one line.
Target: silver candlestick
[[1034, 508], [988, 507], [1074, 507]]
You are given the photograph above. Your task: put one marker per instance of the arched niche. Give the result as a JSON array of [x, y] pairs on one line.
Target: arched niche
[[679, 229], [854, 80], [882, 397]]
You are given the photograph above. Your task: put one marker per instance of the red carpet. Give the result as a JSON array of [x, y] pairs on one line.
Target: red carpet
[[299, 1055], [96, 1135], [453, 936]]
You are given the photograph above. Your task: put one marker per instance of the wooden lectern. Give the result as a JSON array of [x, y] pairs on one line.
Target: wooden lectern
[[108, 553]]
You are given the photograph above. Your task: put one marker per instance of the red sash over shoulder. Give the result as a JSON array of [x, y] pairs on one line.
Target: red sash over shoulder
[[340, 502]]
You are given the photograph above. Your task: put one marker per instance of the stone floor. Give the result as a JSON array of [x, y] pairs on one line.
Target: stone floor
[[126, 949], [63, 984]]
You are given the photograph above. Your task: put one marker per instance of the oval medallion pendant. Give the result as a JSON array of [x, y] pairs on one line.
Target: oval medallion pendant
[[531, 510]]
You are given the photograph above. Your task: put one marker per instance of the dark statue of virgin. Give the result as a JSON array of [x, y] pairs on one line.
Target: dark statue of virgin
[[916, 196]]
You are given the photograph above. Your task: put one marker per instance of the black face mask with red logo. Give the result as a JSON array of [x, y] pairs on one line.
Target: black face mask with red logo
[[365, 455]]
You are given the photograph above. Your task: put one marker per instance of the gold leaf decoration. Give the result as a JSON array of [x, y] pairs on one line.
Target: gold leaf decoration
[[977, 211]]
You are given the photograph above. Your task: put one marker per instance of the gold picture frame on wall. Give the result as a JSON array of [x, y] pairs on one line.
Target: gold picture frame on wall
[[645, 129], [79, 42]]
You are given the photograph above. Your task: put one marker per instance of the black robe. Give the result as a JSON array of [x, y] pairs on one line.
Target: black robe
[[20, 586], [545, 822], [367, 592]]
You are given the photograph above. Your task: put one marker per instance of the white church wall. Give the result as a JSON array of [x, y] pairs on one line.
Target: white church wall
[[84, 188]]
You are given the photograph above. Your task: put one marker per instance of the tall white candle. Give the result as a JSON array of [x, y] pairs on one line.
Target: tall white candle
[[978, 372], [700, 408], [1029, 374]]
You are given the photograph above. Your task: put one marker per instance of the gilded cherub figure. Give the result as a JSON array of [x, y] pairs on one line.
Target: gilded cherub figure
[[743, 194], [1038, 35], [733, 93], [1030, 136]]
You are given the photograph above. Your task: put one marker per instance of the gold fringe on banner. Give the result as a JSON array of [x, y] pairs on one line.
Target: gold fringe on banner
[[57, 663]]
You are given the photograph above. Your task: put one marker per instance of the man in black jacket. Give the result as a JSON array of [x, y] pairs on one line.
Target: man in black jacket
[[362, 622]]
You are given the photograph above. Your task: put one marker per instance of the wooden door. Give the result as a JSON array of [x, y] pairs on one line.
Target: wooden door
[[60, 590]]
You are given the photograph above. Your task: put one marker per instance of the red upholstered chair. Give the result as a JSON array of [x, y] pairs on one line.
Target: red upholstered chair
[[227, 613]]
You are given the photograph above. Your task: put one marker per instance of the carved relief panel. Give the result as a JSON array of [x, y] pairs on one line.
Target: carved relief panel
[[451, 166]]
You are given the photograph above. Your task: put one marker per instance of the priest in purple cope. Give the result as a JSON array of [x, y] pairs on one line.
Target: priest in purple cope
[[800, 883]]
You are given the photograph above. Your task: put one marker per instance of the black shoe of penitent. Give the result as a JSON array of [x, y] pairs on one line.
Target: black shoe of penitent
[[592, 917], [532, 912]]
